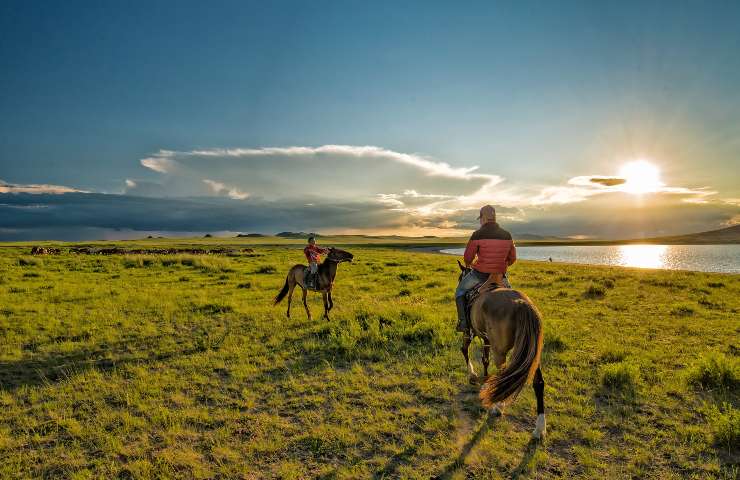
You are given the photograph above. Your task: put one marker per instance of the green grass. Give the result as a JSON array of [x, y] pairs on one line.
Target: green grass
[[179, 367]]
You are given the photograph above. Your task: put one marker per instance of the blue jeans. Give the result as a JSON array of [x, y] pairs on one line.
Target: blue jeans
[[470, 280]]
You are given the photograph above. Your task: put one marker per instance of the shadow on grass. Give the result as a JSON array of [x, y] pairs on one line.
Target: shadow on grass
[[459, 461], [523, 466], [54, 367], [389, 471]]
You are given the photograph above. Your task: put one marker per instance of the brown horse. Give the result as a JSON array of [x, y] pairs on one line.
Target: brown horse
[[506, 319], [327, 273]]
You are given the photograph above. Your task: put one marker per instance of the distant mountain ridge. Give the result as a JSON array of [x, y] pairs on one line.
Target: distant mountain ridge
[[723, 235]]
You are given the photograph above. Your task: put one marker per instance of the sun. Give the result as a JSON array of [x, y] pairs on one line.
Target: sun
[[640, 177]]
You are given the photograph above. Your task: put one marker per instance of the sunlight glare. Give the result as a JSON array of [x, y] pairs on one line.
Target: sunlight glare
[[640, 177], [642, 256]]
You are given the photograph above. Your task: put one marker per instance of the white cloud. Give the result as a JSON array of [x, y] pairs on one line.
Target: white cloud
[[231, 192], [582, 187], [37, 188], [162, 161]]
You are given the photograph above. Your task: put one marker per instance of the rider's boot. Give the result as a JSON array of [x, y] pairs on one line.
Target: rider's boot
[[462, 319]]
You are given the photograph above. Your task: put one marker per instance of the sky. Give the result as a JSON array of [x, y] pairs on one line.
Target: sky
[[575, 119]]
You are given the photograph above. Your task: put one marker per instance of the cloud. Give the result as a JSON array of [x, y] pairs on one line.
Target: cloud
[[231, 192], [95, 215], [35, 188], [583, 187], [161, 162], [336, 171], [607, 181], [144, 188]]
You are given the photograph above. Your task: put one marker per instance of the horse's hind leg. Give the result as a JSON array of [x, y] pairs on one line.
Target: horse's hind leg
[[486, 352], [305, 304], [538, 384], [291, 287], [331, 302], [472, 377], [499, 359]]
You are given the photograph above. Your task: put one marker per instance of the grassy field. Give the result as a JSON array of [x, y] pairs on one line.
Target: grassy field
[[179, 367]]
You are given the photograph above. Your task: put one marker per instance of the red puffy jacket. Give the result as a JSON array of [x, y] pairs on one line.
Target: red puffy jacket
[[494, 248]]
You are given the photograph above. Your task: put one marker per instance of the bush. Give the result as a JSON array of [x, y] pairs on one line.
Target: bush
[[622, 377], [405, 292], [30, 262], [554, 342], [408, 277], [715, 285], [715, 371], [137, 261], [682, 311], [725, 425], [267, 269], [594, 291], [244, 285], [612, 356], [213, 308]]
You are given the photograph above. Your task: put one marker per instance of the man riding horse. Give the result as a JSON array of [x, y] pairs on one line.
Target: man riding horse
[[490, 251], [506, 320]]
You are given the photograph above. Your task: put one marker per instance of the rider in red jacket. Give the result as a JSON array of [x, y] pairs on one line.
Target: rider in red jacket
[[313, 254], [490, 251]]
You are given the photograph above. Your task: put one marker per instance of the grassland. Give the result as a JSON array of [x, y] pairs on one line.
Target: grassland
[[179, 367]]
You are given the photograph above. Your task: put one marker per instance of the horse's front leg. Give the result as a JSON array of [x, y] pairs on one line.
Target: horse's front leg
[[472, 377], [325, 296], [305, 304]]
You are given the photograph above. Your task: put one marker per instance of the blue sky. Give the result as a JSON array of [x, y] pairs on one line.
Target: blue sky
[[540, 96]]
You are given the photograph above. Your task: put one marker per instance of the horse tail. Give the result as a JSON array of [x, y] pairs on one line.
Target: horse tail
[[279, 297], [525, 357]]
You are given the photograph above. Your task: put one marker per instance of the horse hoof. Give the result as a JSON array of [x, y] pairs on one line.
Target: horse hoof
[[473, 379], [540, 428], [496, 411]]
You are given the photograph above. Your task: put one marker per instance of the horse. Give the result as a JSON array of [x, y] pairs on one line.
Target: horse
[[506, 319], [326, 274]]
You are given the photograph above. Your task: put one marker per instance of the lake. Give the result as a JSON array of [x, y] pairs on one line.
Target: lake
[[702, 258]]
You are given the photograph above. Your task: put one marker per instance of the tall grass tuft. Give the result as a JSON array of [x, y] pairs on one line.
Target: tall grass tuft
[[716, 371], [621, 377], [594, 292], [30, 262], [725, 425]]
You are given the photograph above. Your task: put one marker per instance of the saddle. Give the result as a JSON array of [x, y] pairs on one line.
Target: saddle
[[476, 292], [311, 281]]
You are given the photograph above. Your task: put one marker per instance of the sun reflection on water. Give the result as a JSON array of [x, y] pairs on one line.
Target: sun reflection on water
[[643, 256]]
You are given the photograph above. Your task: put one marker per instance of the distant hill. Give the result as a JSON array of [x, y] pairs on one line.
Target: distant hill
[[531, 236], [297, 235], [723, 235]]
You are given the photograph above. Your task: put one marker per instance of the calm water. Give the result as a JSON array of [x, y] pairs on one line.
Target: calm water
[[702, 258]]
